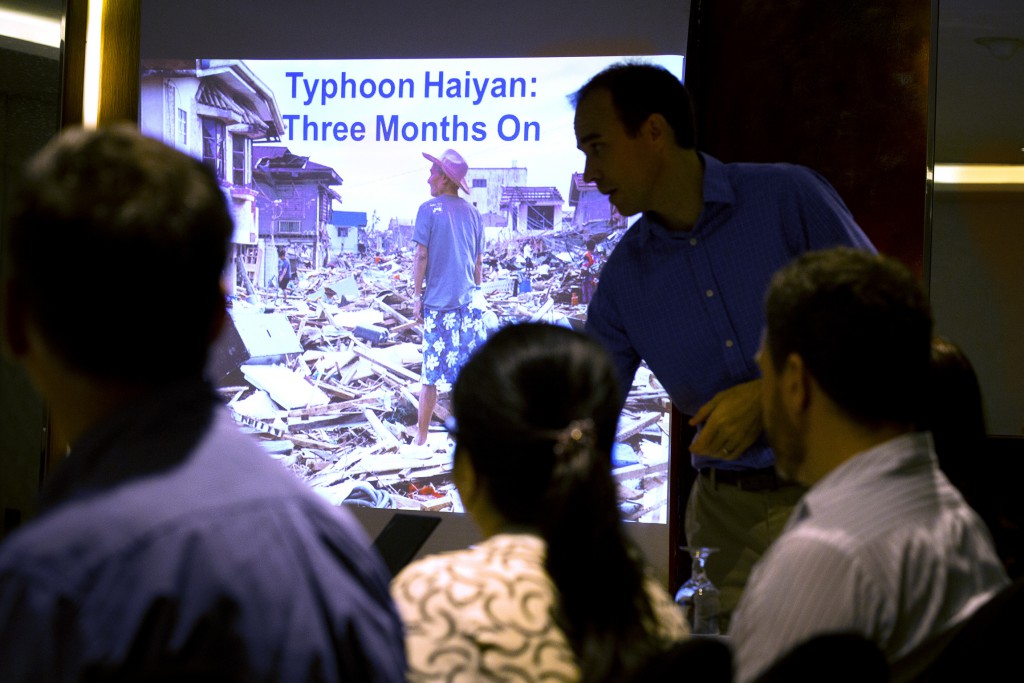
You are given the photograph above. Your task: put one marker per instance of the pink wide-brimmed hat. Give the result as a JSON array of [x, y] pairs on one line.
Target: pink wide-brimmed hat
[[452, 165]]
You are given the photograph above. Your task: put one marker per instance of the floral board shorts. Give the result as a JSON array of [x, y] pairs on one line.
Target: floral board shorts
[[449, 337]]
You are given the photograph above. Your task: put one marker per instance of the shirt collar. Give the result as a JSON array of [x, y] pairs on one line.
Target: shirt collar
[[716, 190], [148, 435], [913, 449], [717, 186]]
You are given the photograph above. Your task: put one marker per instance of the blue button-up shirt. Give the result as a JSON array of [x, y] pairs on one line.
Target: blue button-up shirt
[[171, 543], [690, 303]]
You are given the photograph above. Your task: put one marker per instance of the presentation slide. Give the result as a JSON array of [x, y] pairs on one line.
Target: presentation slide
[[322, 162]]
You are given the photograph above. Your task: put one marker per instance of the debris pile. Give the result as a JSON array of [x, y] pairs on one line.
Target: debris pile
[[327, 375]]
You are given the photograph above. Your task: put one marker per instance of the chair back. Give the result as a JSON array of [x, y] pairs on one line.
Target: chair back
[[834, 657], [986, 644], [707, 659]]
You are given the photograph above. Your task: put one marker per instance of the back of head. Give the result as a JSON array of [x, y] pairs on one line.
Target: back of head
[[862, 325], [117, 246], [536, 410], [515, 396], [639, 90], [956, 412], [955, 415]]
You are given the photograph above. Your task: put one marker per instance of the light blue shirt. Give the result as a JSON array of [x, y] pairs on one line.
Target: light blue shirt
[[453, 233], [883, 546]]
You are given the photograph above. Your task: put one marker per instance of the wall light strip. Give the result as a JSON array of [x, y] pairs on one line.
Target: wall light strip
[[979, 174], [91, 85], [31, 28]]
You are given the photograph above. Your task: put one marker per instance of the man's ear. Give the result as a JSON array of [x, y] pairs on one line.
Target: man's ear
[[795, 386], [657, 130]]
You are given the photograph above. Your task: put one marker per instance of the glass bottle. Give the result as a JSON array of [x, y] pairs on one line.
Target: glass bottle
[[698, 597]]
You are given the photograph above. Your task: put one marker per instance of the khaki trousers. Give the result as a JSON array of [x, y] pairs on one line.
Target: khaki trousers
[[741, 524]]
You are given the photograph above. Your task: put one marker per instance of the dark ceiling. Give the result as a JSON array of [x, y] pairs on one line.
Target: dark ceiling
[[979, 116]]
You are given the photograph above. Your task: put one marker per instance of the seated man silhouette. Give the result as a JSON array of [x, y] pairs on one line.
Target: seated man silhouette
[[169, 546], [881, 545]]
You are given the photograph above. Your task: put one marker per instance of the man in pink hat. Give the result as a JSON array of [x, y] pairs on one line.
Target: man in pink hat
[[449, 236]]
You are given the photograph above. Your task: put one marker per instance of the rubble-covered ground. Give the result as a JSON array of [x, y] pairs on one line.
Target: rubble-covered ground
[[336, 400]]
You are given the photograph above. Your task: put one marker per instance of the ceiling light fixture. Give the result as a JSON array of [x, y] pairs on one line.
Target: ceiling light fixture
[[31, 28], [979, 174], [1001, 47], [91, 85]]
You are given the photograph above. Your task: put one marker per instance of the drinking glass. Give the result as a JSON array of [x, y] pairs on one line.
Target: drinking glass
[[698, 597]]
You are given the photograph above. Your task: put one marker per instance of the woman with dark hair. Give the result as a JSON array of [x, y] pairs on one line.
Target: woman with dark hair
[[555, 591], [955, 415]]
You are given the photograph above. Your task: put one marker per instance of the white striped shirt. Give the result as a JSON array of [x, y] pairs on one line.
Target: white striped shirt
[[883, 546]]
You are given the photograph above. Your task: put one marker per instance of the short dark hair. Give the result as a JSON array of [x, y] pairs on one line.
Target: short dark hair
[[117, 245], [639, 90], [863, 327]]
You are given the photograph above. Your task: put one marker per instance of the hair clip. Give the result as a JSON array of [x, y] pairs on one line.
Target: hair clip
[[577, 437]]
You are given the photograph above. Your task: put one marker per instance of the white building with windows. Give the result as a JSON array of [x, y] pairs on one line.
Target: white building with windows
[[504, 200], [486, 186], [214, 109]]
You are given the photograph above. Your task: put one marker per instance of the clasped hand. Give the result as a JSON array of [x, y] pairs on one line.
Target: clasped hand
[[731, 422]]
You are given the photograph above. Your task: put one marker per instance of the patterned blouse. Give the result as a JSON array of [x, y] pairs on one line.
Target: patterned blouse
[[483, 614]]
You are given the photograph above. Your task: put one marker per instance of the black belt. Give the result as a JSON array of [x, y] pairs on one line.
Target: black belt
[[763, 479]]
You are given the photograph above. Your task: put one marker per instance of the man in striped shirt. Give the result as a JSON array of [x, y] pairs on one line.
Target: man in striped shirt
[[881, 545]]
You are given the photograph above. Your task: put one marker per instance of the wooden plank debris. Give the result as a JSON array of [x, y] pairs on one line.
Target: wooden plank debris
[[343, 411], [288, 388], [383, 433], [638, 426], [402, 320], [365, 352]]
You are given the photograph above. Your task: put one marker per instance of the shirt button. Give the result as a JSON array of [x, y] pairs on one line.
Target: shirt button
[[728, 343], [710, 293], [693, 241]]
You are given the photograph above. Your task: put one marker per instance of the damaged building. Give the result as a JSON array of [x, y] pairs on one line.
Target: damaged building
[[295, 196], [214, 110]]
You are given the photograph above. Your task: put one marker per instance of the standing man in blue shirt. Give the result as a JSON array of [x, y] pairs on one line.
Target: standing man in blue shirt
[[447, 267], [170, 546], [683, 291]]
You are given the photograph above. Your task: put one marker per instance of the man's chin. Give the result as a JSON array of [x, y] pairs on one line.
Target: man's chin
[[623, 209]]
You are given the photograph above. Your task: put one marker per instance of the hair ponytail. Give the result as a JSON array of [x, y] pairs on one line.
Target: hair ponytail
[[538, 405]]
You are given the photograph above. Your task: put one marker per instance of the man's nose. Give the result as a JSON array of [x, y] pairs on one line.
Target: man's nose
[[589, 172]]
